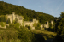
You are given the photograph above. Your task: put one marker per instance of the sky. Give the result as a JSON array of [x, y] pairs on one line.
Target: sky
[[52, 7]]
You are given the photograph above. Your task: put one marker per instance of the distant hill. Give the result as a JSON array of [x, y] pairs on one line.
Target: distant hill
[[6, 8]]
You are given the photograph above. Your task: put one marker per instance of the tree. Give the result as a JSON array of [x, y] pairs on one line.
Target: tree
[[59, 27], [25, 35], [37, 26], [27, 13], [62, 15]]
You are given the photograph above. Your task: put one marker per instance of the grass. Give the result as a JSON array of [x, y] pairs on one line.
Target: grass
[[12, 40], [46, 34]]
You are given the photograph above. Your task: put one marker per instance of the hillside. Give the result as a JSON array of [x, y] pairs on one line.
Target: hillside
[[6, 8]]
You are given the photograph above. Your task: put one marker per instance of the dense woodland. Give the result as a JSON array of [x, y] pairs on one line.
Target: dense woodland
[[59, 24], [24, 35], [28, 14]]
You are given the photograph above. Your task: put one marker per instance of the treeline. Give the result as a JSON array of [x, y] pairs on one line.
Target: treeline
[[59, 24], [28, 14]]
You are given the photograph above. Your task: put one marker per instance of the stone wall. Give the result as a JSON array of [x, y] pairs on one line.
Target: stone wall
[[46, 25], [30, 23]]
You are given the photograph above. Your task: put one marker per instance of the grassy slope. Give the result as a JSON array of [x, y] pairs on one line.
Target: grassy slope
[[45, 34]]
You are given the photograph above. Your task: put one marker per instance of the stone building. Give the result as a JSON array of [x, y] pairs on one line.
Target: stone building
[[20, 20], [30, 23], [46, 25], [14, 17]]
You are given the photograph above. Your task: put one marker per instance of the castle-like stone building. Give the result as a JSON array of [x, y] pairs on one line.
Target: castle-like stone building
[[21, 21], [46, 25], [14, 17]]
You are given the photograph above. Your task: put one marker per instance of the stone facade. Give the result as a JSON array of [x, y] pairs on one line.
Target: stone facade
[[21, 21], [14, 17], [30, 23], [46, 25]]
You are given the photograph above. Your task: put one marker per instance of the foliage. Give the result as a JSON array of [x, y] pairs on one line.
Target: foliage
[[37, 26], [59, 26], [62, 15], [16, 26], [27, 27], [25, 35], [8, 34], [21, 34], [27, 13], [2, 24], [2, 18], [50, 27], [16, 21], [12, 40]]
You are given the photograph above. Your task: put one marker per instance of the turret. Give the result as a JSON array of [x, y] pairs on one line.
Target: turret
[[47, 24], [52, 23], [13, 16]]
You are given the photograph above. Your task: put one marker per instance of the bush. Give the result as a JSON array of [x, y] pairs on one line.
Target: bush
[[8, 34], [2, 24], [25, 35], [16, 26], [37, 27]]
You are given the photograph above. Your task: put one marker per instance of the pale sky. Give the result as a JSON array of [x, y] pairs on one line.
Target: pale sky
[[52, 7]]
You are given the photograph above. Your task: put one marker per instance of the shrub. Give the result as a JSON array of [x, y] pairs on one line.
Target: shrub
[[25, 35], [16, 26], [37, 27], [2, 24], [8, 34]]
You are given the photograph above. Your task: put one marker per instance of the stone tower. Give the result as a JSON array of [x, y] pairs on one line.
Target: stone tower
[[47, 24], [13, 16], [34, 20], [52, 23]]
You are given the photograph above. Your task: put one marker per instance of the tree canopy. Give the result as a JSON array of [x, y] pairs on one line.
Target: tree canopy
[[6, 8]]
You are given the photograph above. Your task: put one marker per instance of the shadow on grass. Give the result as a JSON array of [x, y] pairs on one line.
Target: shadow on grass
[[39, 38], [58, 39], [49, 29]]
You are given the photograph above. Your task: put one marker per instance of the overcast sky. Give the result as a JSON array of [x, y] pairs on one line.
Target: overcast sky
[[52, 7]]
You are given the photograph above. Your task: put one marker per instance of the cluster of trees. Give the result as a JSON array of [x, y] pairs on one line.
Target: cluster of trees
[[28, 14], [59, 24]]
